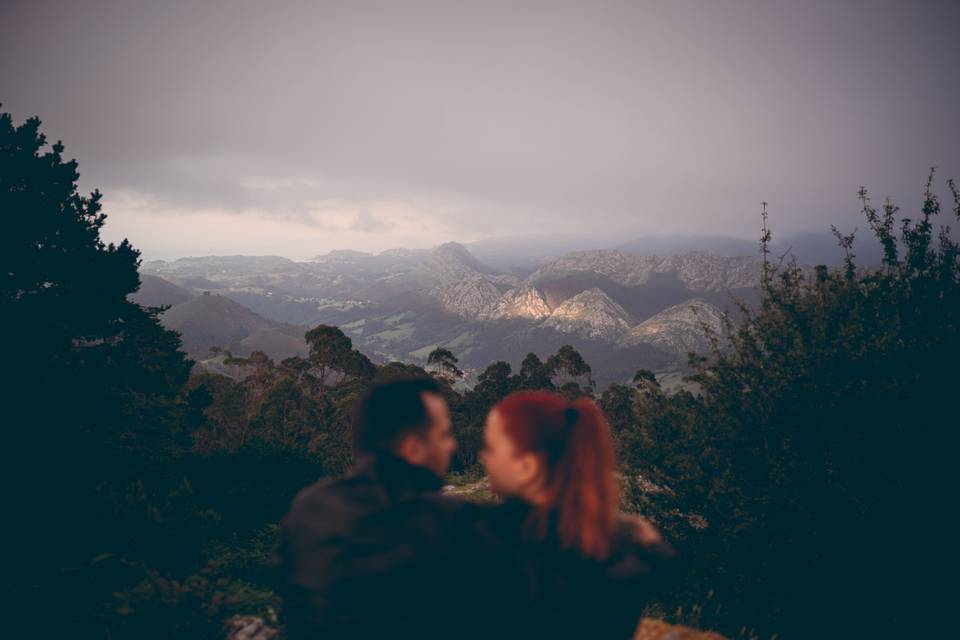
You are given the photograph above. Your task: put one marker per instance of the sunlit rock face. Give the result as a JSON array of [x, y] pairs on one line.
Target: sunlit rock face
[[679, 328], [592, 314], [524, 302]]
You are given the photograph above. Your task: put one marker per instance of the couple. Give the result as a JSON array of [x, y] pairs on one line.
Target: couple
[[383, 553]]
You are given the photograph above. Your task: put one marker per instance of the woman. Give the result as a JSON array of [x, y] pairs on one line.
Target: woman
[[589, 571]]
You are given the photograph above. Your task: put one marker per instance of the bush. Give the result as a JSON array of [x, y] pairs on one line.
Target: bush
[[817, 450]]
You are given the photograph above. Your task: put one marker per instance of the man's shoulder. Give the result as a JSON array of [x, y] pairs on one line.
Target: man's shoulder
[[330, 487], [349, 498], [444, 503], [325, 499]]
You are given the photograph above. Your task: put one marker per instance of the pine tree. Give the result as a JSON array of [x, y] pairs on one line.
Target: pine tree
[[95, 396]]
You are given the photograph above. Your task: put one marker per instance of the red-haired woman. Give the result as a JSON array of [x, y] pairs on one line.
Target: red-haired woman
[[590, 571]]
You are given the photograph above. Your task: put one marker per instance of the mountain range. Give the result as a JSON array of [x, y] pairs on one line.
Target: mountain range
[[621, 310]]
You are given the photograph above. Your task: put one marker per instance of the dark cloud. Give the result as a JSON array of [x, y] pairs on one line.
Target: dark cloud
[[496, 117]]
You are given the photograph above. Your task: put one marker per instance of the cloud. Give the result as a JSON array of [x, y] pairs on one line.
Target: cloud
[[422, 122], [164, 231]]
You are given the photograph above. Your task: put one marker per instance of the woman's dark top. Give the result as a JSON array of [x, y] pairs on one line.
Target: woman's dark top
[[569, 595]]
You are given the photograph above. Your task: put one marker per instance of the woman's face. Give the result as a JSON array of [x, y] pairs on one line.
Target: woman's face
[[511, 473]]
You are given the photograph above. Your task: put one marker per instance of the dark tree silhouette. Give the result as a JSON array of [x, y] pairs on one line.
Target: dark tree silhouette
[[444, 363], [332, 352], [96, 391], [567, 370], [645, 379], [534, 374]]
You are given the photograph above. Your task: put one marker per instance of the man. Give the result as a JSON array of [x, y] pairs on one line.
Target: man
[[381, 552]]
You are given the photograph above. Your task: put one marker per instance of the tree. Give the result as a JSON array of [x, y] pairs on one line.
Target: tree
[[496, 382], [96, 401], [617, 402], [646, 379], [359, 367], [226, 414], [399, 371], [444, 363], [493, 384], [567, 370], [287, 416], [534, 374], [331, 351], [261, 372]]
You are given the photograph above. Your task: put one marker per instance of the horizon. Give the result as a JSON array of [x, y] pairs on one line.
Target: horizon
[[427, 248], [681, 244]]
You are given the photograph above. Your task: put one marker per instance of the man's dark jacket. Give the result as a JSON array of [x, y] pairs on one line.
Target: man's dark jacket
[[383, 553]]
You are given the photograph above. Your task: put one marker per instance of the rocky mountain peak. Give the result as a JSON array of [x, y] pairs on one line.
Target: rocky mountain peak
[[679, 328], [471, 297], [524, 302], [609, 262], [709, 271], [591, 313], [451, 262]]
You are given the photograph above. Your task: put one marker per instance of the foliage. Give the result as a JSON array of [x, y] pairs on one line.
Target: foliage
[[820, 438]]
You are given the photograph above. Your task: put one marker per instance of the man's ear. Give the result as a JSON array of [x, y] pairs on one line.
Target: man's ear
[[411, 449]]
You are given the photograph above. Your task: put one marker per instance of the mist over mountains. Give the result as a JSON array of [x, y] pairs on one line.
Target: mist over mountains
[[623, 308], [523, 254]]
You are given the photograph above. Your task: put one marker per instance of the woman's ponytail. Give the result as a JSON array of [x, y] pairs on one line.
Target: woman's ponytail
[[583, 486], [573, 439]]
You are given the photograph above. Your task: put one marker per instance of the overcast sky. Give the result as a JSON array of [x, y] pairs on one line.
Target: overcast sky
[[293, 128]]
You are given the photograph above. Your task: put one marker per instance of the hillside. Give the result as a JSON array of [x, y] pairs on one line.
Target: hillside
[[213, 320], [155, 291], [680, 328]]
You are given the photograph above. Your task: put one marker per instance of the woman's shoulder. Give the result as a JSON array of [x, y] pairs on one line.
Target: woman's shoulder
[[506, 518], [506, 510], [631, 555]]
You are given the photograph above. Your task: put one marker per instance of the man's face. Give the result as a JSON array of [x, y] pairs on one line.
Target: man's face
[[434, 448]]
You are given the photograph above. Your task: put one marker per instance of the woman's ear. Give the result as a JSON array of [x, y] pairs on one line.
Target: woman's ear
[[529, 470]]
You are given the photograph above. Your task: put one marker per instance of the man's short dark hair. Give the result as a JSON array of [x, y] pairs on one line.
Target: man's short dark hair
[[389, 410]]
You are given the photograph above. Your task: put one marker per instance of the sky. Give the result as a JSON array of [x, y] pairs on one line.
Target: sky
[[295, 128]]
